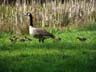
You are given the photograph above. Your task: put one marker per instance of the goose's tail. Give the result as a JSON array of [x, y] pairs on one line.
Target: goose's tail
[[57, 38]]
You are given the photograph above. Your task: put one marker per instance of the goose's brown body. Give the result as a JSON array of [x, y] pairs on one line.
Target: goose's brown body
[[40, 33]]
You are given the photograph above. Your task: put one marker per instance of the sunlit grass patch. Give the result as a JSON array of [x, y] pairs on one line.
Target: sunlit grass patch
[[67, 55]]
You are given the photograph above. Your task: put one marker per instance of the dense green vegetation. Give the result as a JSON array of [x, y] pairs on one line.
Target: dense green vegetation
[[67, 55]]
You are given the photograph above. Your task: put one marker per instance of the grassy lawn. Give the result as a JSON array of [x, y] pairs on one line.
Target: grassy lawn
[[67, 55]]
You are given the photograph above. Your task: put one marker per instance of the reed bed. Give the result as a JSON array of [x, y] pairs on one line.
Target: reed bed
[[52, 14]]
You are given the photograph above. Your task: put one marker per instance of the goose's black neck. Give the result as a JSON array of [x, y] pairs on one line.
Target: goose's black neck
[[31, 20]]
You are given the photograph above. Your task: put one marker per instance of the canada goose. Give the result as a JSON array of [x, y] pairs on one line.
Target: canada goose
[[13, 38], [28, 39], [82, 38], [22, 40], [39, 33]]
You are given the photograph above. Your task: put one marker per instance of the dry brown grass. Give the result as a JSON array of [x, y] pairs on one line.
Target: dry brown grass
[[52, 14]]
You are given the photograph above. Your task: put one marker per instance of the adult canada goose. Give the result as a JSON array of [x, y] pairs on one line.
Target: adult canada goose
[[39, 33]]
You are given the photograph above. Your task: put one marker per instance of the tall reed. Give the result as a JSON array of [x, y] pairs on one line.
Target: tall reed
[[50, 14]]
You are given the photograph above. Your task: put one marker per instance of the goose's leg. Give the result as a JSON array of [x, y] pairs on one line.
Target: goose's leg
[[40, 39], [43, 40]]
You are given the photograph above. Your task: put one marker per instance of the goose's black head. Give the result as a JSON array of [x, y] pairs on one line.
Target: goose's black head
[[31, 17], [28, 14]]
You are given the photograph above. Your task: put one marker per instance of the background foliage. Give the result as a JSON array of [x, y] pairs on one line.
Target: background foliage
[[47, 13]]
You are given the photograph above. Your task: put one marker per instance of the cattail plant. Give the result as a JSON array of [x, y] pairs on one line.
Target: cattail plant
[[47, 13]]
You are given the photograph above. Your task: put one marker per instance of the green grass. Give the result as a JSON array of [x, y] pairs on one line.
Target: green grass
[[67, 55]]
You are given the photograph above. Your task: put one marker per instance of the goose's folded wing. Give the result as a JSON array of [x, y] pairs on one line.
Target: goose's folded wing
[[43, 32]]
